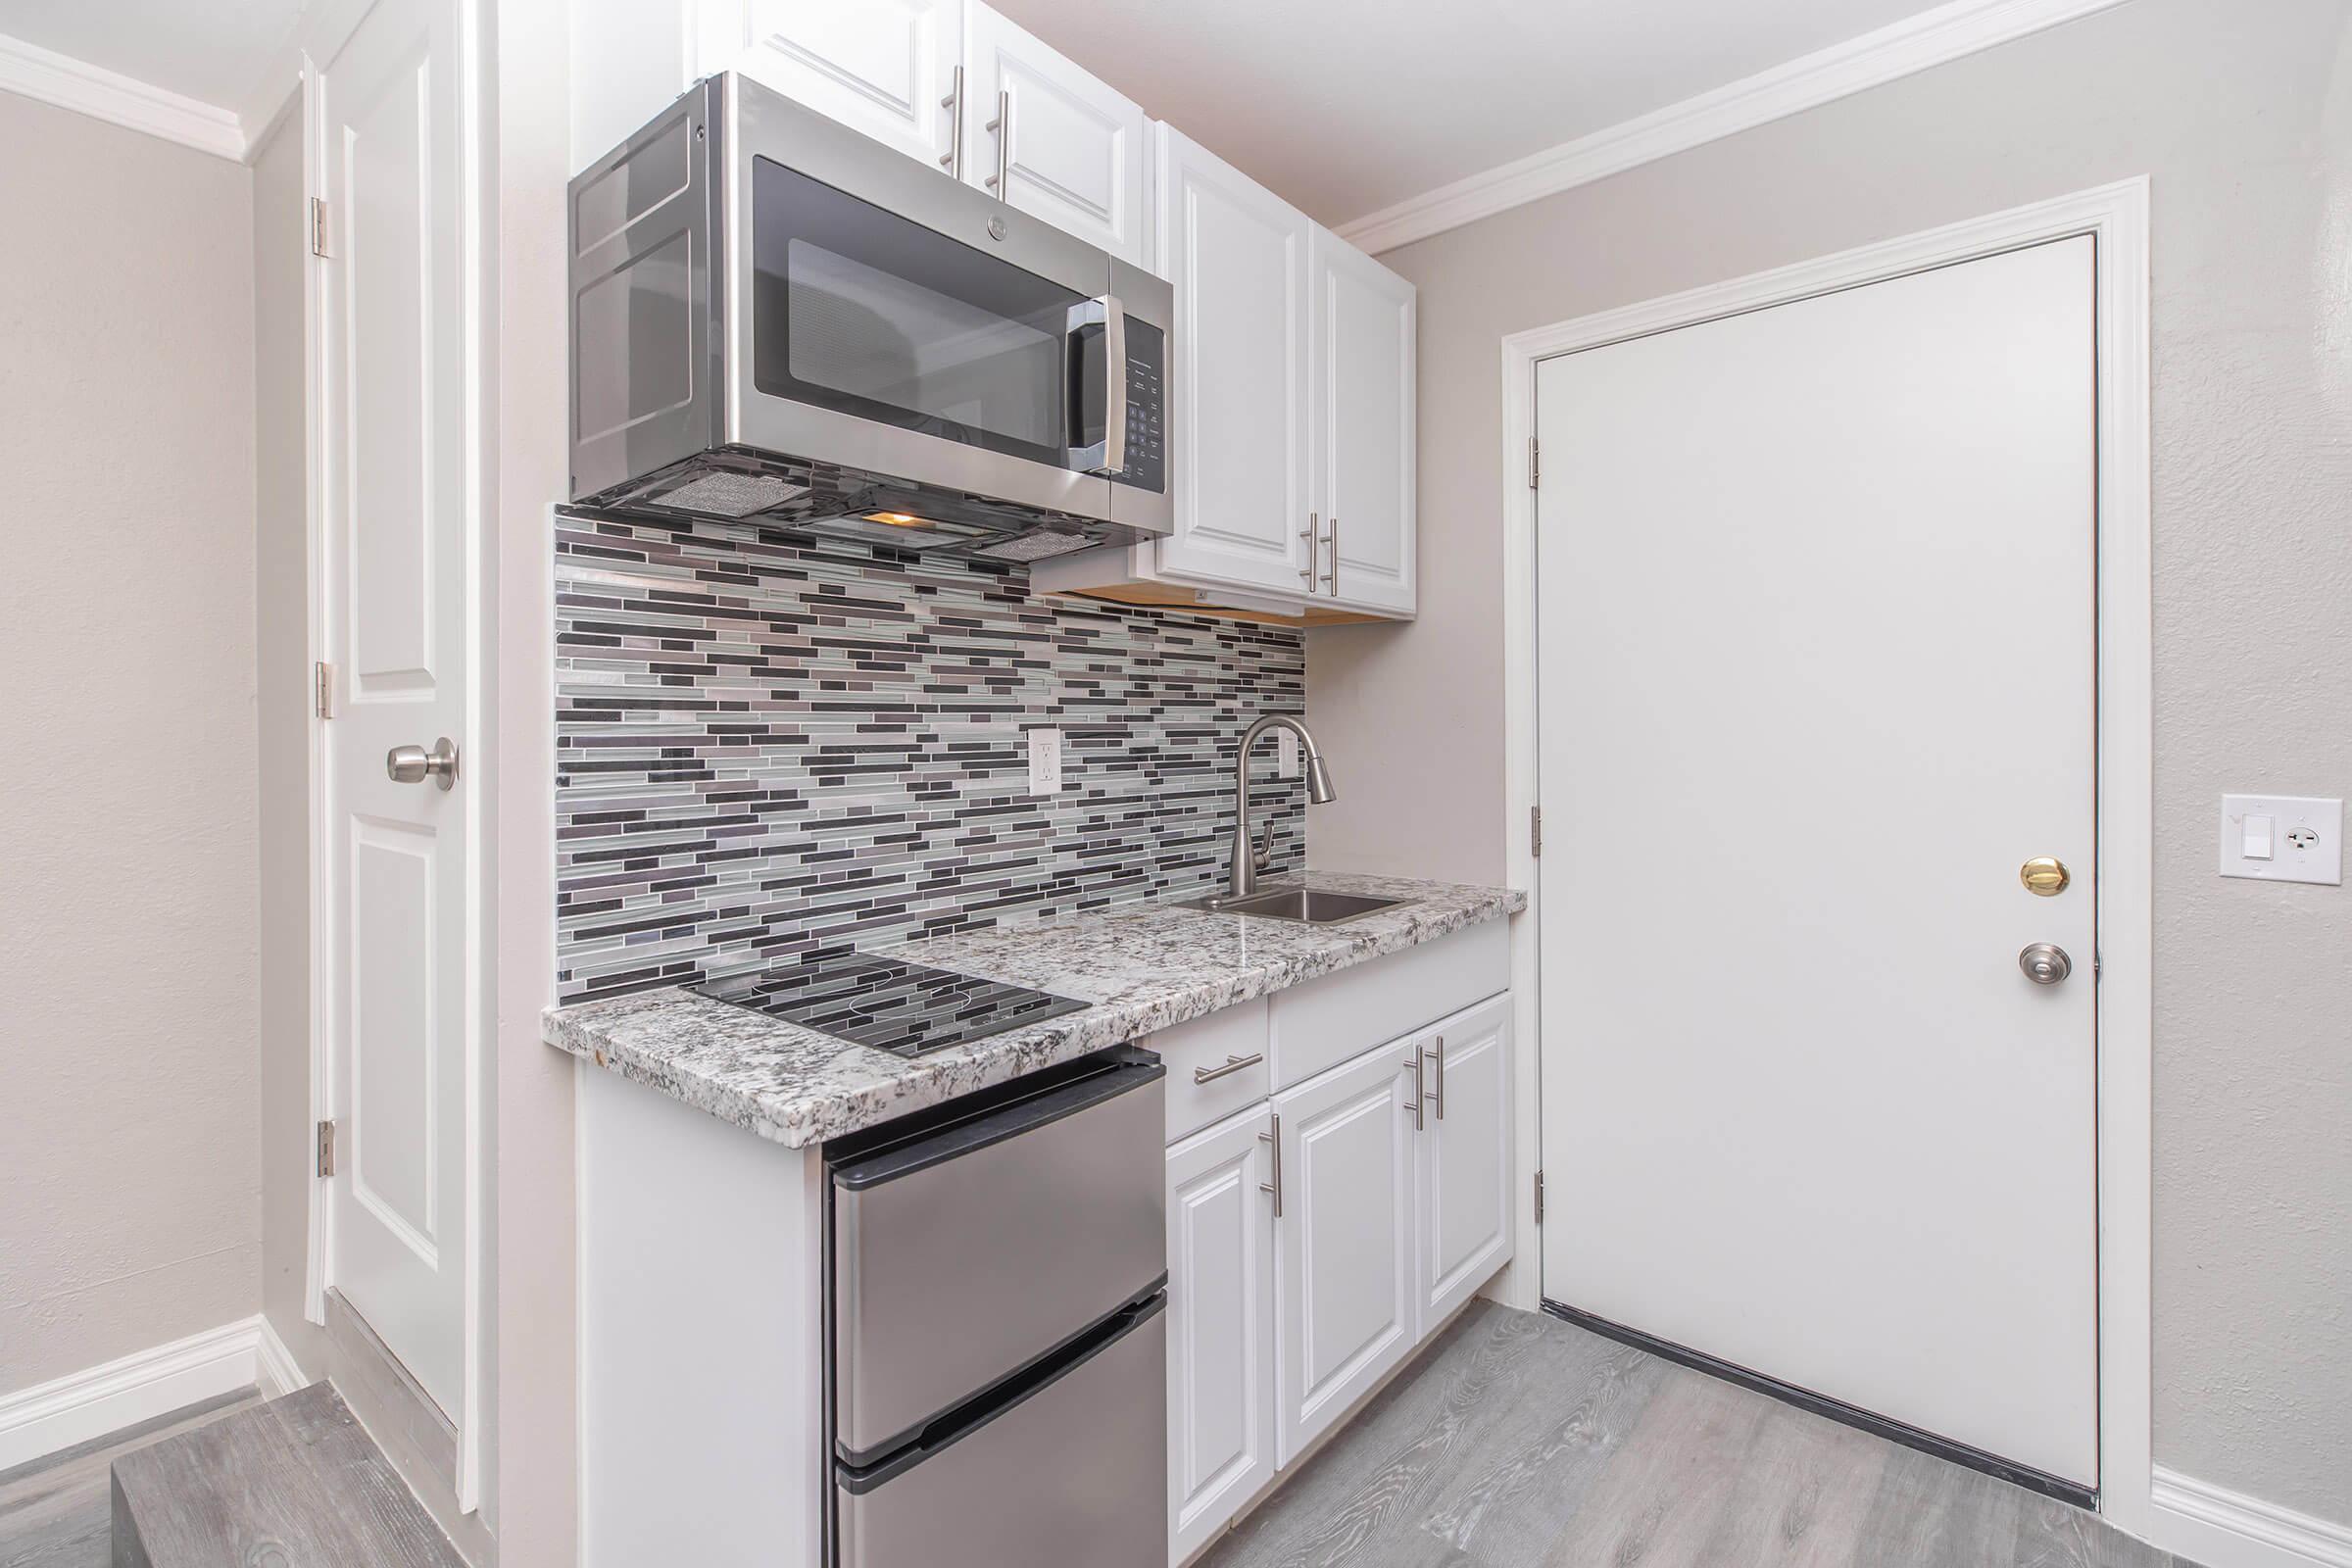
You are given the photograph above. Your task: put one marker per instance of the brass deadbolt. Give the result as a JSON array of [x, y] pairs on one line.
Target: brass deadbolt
[[2045, 876]]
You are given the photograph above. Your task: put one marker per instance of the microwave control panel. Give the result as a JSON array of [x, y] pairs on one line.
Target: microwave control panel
[[1147, 409]]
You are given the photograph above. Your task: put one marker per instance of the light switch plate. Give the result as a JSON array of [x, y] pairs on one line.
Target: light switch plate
[[1045, 762], [2306, 838], [1286, 754]]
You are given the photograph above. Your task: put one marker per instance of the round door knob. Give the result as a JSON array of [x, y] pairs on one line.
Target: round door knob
[[2045, 964], [413, 764]]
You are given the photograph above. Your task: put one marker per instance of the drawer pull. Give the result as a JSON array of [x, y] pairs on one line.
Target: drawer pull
[[1437, 1096], [1232, 1065]]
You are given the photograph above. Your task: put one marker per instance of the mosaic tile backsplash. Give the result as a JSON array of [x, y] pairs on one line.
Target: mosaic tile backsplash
[[768, 745]]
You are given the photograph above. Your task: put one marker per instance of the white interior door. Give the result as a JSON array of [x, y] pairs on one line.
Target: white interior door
[[394, 617], [1816, 676]]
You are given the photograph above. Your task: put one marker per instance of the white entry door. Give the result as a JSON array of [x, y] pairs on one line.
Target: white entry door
[[1816, 676], [394, 618]]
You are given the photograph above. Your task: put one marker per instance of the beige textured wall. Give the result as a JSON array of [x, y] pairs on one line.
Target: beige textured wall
[[283, 724], [130, 1160], [2241, 113]]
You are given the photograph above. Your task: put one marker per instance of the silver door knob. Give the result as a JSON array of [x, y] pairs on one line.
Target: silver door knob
[[413, 764], [2044, 963]]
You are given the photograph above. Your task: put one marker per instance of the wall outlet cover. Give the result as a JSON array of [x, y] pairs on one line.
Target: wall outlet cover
[[1045, 762], [2283, 837], [1286, 754]]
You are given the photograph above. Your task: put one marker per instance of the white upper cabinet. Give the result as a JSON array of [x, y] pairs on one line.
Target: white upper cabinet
[[1238, 377], [1362, 428], [1053, 140], [884, 66]]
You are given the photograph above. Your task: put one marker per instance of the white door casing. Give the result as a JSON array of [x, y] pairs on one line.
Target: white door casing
[[1345, 1290], [1464, 1177], [886, 68], [1364, 401], [1237, 256], [1220, 1326], [1073, 151], [1817, 668], [395, 542]]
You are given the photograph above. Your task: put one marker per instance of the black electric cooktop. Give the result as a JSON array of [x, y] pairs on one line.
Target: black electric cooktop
[[904, 1008]]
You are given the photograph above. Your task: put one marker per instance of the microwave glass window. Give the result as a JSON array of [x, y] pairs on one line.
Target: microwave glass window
[[862, 311], [871, 334]]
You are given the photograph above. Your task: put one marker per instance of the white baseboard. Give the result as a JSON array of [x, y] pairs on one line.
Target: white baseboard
[[40, 1421], [2223, 1529]]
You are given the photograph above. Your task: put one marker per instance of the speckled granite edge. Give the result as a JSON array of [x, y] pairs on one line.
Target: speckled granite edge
[[1143, 967]]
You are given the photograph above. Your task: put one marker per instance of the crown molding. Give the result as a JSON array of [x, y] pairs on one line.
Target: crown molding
[[76, 84], [1951, 31]]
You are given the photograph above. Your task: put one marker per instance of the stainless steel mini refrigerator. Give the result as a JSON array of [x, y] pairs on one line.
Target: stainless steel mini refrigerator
[[996, 1305]]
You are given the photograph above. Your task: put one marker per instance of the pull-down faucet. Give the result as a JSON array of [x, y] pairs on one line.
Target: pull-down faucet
[[1249, 860]]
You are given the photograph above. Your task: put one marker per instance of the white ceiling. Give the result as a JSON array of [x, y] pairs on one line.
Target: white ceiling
[[1343, 107], [214, 51]]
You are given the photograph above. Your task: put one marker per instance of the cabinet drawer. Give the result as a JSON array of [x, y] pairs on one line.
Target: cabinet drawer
[[1220, 1043], [1324, 1023]]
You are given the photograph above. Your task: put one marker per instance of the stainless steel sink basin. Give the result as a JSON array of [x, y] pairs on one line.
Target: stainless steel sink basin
[[1308, 906]]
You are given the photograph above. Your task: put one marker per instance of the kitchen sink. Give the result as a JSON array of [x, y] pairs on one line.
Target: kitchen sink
[[1308, 906]]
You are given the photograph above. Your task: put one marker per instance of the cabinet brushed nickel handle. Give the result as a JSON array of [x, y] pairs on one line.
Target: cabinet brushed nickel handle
[[1003, 126], [1274, 1140], [1232, 1065], [1436, 1097], [1313, 533], [1420, 1095], [1331, 577], [953, 158]]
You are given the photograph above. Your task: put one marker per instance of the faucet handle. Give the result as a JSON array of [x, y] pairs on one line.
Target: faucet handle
[[1263, 856]]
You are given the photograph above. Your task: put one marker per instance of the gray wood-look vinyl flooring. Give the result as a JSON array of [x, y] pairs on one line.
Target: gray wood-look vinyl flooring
[[54, 1512], [1517, 1440], [296, 1483]]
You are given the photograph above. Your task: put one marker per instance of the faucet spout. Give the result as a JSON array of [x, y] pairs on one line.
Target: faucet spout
[[1242, 880]]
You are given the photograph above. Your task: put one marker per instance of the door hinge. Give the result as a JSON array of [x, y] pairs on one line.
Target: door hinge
[[1538, 1197], [1535, 832], [326, 1148], [324, 686], [318, 225], [1535, 463]]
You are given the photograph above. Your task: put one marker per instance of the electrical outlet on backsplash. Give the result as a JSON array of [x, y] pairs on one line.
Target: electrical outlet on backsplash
[[768, 745]]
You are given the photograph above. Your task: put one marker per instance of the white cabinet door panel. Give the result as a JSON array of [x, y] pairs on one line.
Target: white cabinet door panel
[[1362, 427], [1220, 1327], [1464, 1166], [881, 67], [1238, 257], [1347, 1299], [1071, 150]]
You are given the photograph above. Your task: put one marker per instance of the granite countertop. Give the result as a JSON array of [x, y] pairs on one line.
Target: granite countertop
[[1142, 968]]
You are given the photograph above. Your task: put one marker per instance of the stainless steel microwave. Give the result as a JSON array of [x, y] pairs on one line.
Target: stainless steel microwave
[[777, 319]]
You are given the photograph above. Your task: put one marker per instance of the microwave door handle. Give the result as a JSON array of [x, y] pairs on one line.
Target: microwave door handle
[[1109, 454]]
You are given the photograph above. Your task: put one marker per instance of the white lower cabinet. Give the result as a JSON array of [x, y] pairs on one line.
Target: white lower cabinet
[[1220, 1326], [1347, 1313], [1464, 1174], [1318, 1237]]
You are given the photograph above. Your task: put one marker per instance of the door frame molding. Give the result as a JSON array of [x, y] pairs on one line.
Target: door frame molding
[[2115, 216]]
